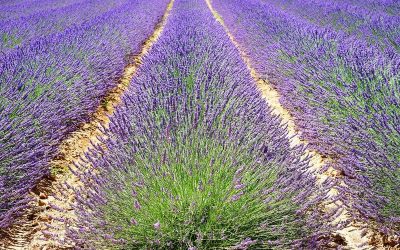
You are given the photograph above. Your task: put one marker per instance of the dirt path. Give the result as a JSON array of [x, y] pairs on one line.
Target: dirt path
[[39, 223], [351, 234]]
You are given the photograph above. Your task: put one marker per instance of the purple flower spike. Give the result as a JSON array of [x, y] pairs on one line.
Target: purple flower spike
[[137, 205], [157, 225], [134, 222]]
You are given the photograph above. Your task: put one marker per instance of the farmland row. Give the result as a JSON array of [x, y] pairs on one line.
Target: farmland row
[[28, 29], [75, 149], [343, 93], [49, 87], [344, 234], [377, 26], [20, 8]]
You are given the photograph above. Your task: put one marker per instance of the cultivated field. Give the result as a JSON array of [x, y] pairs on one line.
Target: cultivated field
[[199, 124]]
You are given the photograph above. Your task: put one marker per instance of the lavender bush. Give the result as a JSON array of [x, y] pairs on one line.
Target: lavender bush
[[19, 31], [194, 158], [390, 7], [53, 84], [376, 26], [10, 9], [343, 92]]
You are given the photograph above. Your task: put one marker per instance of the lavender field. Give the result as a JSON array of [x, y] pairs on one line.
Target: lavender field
[[199, 124]]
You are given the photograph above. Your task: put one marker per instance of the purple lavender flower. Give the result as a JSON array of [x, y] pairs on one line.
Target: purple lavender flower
[[157, 225], [134, 222], [194, 89], [56, 65]]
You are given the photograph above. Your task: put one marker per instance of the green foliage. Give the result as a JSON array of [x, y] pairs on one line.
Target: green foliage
[[189, 81], [10, 41], [188, 188]]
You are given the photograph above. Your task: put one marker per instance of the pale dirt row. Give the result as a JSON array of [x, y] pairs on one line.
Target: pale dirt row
[[351, 234], [35, 230]]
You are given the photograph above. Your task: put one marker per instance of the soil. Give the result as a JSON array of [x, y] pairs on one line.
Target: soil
[[40, 227], [352, 236]]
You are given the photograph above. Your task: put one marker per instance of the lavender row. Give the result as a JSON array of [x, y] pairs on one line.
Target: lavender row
[[391, 7], [195, 159], [21, 31], [376, 26], [344, 94], [15, 9], [51, 86]]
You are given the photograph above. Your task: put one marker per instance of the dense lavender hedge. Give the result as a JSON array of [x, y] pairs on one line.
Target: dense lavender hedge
[[391, 7], [344, 94], [377, 26], [50, 86], [22, 30], [10, 9], [195, 159]]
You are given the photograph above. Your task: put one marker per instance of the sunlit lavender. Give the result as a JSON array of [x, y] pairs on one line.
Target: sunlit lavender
[[51, 82], [336, 65], [193, 156]]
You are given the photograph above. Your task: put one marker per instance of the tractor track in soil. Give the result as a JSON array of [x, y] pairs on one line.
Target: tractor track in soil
[[352, 236], [36, 228]]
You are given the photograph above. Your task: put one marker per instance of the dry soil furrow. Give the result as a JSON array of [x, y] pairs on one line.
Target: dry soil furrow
[[39, 221], [351, 234]]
